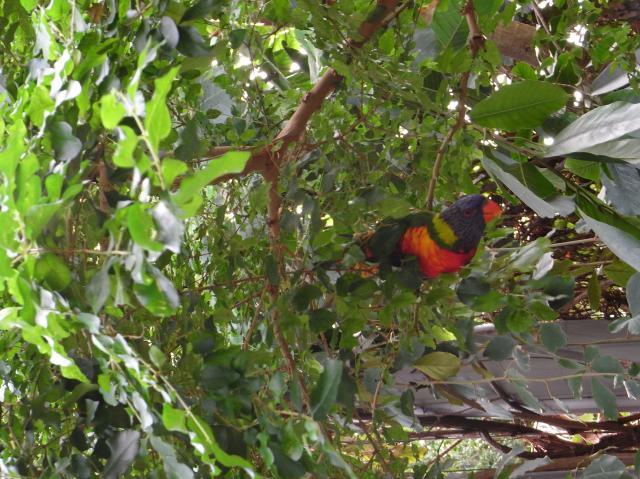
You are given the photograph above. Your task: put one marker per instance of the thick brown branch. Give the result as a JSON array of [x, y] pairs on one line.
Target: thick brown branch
[[384, 12]]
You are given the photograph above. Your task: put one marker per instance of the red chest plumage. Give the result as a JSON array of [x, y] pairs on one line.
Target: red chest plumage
[[433, 259]]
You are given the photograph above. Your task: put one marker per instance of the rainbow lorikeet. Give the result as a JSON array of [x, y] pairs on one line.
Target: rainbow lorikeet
[[443, 242]]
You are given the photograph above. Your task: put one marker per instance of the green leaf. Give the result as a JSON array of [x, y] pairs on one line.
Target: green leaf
[[605, 467], [520, 105], [500, 348], [291, 441], [169, 31], [286, 467], [525, 395], [65, 144], [621, 243], [606, 364], [470, 288], [191, 43], [558, 289], [124, 154], [124, 448], [191, 187], [619, 272], [321, 319], [597, 126], [524, 71], [450, 26], [633, 294], [304, 295], [157, 356], [141, 228], [157, 121], [406, 402], [99, 288], [28, 4], [324, 394], [201, 9], [39, 216], [51, 269], [626, 149], [621, 183], [632, 324], [111, 111], [40, 105], [171, 169], [386, 42], [502, 169], [589, 170], [438, 365], [553, 336], [604, 398], [203, 439], [13, 150], [174, 419], [594, 292]]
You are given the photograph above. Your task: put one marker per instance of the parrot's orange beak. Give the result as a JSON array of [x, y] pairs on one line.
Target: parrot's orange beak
[[490, 210]]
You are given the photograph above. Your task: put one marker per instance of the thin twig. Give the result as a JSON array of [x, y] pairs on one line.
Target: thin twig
[[254, 323], [273, 221], [495, 444], [543, 24], [476, 41]]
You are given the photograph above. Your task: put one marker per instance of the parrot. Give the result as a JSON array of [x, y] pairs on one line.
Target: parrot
[[443, 242]]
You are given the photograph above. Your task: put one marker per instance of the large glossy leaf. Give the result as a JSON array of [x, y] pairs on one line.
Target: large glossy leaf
[[124, 448], [324, 394], [520, 105], [546, 208], [611, 78], [450, 26], [626, 149], [624, 245], [631, 324], [600, 125], [604, 467], [633, 294], [621, 187]]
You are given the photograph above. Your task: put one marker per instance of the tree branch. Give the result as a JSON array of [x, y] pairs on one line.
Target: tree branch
[[385, 12], [476, 41]]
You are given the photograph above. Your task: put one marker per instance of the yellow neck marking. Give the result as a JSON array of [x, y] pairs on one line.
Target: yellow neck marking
[[444, 231]]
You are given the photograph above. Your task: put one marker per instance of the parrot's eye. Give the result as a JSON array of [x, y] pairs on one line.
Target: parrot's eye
[[468, 213]]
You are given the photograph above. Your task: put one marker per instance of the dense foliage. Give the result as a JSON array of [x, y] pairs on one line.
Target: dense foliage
[[181, 293]]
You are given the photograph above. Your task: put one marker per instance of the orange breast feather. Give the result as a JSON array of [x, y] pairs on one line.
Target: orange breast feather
[[433, 259]]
